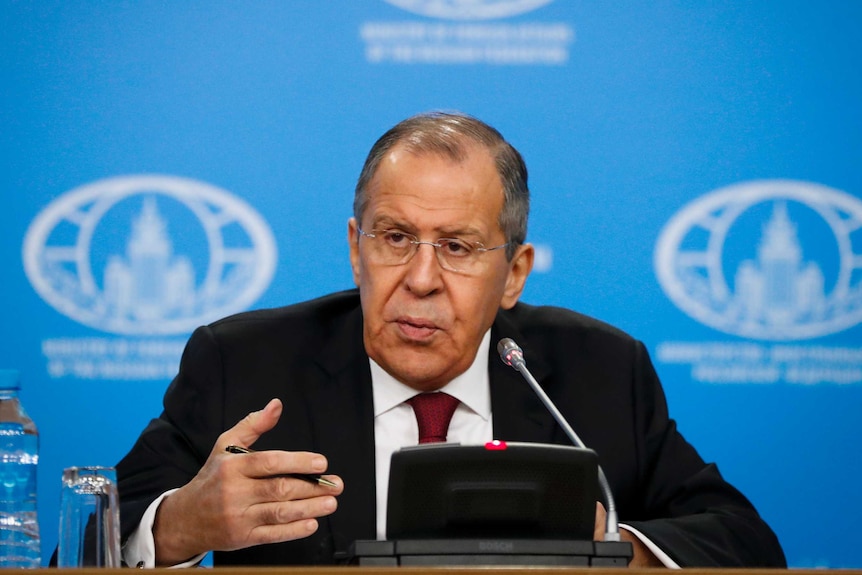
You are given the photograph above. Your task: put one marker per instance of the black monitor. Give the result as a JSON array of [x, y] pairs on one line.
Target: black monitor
[[499, 490]]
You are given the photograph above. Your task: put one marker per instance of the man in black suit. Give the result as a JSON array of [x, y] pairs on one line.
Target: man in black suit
[[437, 247]]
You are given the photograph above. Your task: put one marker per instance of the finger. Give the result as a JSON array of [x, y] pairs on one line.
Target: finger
[[252, 426], [286, 488], [264, 534], [264, 464], [288, 512], [277, 522]]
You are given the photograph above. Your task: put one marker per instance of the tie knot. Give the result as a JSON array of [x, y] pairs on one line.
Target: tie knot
[[433, 414]]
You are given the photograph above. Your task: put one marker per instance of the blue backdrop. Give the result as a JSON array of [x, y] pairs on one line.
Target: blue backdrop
[[694, 169]]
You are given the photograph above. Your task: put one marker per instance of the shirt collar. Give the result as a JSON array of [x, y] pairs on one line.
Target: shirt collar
[[471, 387]]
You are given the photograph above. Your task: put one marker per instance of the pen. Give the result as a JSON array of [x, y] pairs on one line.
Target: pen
[[305, 477]]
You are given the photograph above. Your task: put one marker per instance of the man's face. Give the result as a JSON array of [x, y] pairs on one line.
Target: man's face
[[423, 323]]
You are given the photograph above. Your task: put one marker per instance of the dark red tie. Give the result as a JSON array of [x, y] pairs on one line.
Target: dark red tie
[[433, 414]]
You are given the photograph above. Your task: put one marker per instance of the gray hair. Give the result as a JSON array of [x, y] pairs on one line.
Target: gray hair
[[447, 134]]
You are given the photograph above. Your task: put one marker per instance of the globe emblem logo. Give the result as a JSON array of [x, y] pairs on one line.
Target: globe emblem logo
[[774, 260], [149, 254], [468, 9]]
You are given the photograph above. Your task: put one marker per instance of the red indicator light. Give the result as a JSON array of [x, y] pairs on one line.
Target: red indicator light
[[496, 445]]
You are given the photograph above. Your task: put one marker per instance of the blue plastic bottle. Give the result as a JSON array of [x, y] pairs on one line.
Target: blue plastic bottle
[[19, 457]]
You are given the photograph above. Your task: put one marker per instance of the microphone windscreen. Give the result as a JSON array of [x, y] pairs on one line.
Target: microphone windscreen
[[505, 347]]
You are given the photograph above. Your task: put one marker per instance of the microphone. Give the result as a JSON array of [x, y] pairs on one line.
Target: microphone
[[512, 355]]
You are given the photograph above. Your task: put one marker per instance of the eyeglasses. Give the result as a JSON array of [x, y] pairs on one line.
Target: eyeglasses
[[395, 248]]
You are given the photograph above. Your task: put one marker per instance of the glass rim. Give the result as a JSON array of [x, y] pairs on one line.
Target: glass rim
[[90, 468]]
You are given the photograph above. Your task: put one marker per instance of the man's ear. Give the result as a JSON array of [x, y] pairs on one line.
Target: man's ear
[[519, 269], [353, 243]]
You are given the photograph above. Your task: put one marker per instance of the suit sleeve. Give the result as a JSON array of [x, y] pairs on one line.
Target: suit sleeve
[[172, 449], [689, 510]]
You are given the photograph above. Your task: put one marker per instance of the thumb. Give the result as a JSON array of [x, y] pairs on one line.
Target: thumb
[[252, 426]]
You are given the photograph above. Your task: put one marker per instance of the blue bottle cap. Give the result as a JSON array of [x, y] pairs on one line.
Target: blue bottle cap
[[10, 379]]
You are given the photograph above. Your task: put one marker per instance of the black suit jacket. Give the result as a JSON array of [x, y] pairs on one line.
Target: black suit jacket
[[311, 356]]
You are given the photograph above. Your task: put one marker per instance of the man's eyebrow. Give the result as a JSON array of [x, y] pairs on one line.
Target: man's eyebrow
[[454, 231], [460, 232], [388, 222]]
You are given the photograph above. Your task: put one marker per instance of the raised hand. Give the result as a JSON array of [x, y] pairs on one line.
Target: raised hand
[[240, 500]]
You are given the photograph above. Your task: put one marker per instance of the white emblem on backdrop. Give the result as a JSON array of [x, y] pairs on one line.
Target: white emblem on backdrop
[[779, 290], [469, 9], [773, 260], [470, 39], [149, 255]]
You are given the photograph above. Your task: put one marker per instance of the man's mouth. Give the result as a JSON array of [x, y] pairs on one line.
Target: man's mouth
[[416, 329]]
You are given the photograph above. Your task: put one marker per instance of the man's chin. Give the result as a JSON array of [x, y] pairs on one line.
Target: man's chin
[[430, 385], [419, 371]]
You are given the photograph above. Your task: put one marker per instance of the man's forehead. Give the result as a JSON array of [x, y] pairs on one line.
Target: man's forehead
[[407, 156], [406, 186]]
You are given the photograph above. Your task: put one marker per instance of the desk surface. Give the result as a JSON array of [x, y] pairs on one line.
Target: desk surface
[[449, 571]]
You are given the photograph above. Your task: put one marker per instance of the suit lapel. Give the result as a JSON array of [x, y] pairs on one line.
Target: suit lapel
[[342, 402], [517, 413]]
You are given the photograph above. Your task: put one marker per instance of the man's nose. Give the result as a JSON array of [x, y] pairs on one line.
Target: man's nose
[[424, 271]]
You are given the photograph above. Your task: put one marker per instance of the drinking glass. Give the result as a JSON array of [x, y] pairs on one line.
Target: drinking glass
[[89, 518]]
